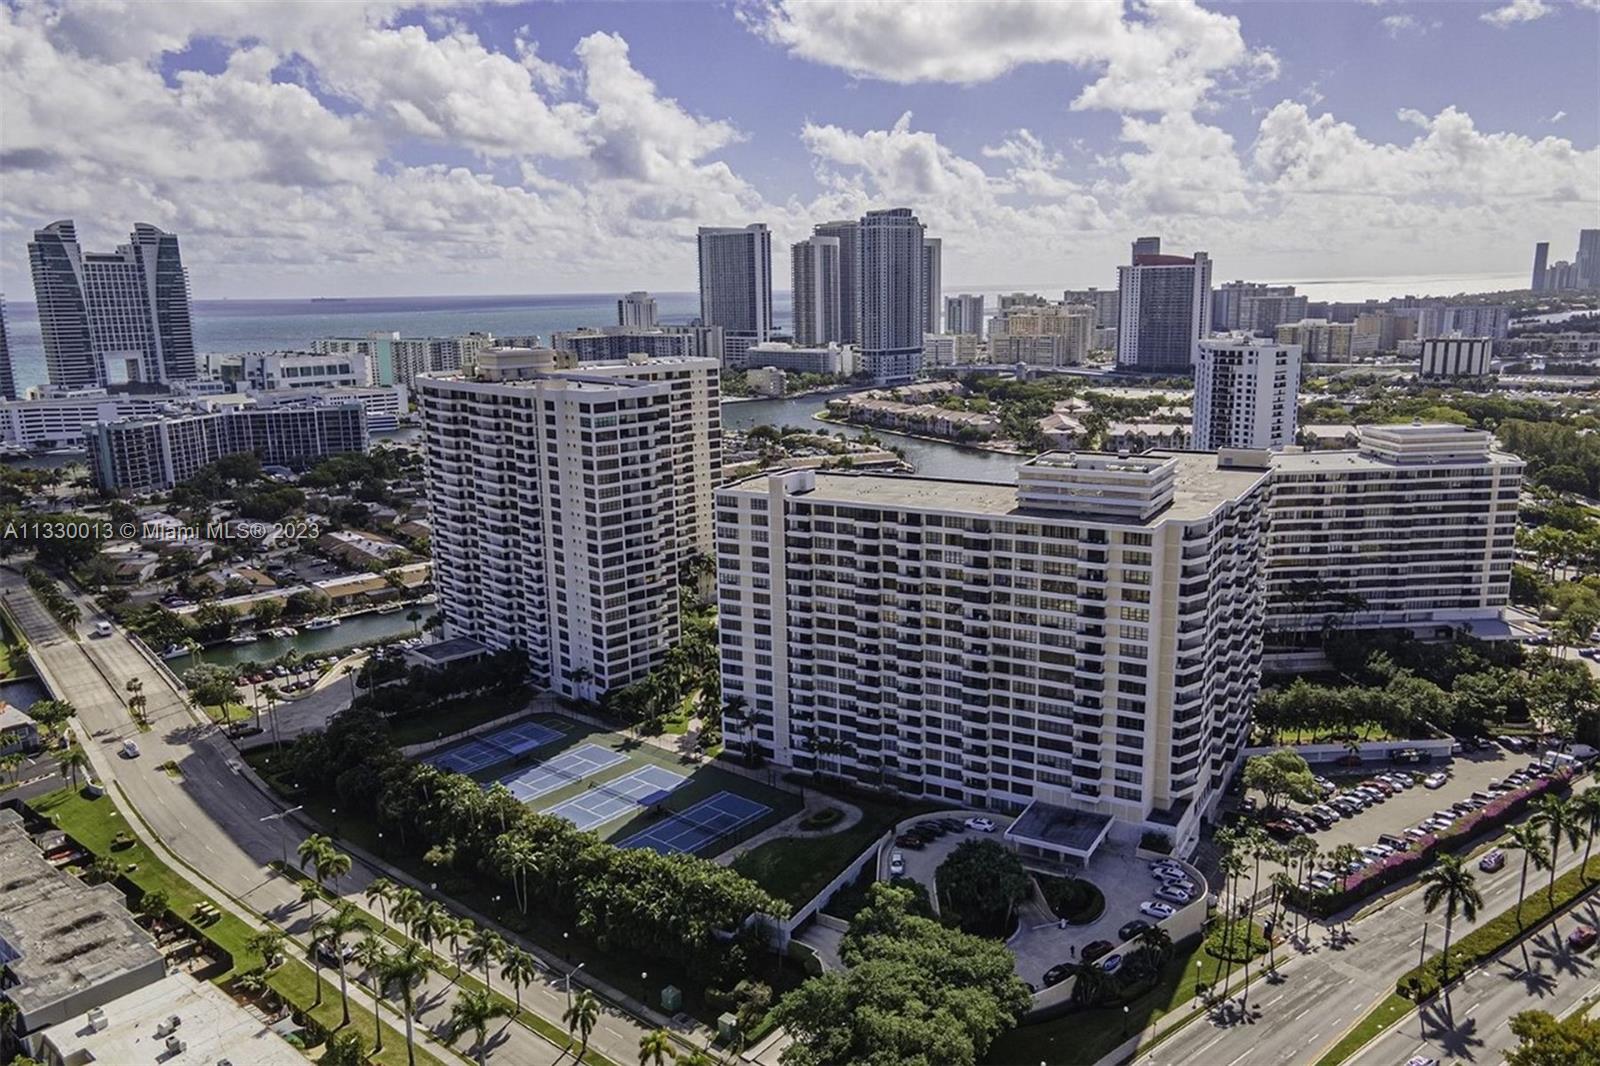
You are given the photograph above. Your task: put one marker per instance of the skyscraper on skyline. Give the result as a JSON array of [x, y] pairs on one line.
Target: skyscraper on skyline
[[814, 288], [964, 314], [932, 283], [8, 373], [1165, 308], [893, 288], [637, 310], [848, 233], [1246, 393], [1587, 264], [1541, 258], [112, 318], [1146, 246], [736, 286]]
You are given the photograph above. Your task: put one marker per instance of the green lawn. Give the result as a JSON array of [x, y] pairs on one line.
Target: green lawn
[[95, 822], [1377, 1020]]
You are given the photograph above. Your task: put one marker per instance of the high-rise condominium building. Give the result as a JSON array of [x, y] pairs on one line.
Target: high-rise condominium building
[[1246, 394], [1254, 307], [1104, 302], [562, 503], [1319, 340], [1084, 644], [1413, 530], [1587, 264], [892, 293], [8, 373], [1468, 320], [395, 360], [932, 283], [814, 288], [117, 318], [1146, 246], [1165, 308], [964, 314], [1456, 357], [736, 286], [1048, 335], [1541, 259], [848, 233], [637, 310]]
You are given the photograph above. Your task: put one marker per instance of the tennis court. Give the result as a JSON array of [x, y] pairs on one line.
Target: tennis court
[[558, 771], [473, 755], [706, 822], [607, 802]]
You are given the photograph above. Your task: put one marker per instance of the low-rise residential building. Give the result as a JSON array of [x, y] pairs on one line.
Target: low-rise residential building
[[830, 359], [767, 380], [1456, 357], [1319, 340], [269, 371], [59, 417], [18, 731], [950, 349], [1143, 435]]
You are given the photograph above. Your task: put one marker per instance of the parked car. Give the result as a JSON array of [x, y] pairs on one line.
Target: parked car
[[1158, 911], [1057, 973], [1110, 963], [897, 864], [1582, 938], [980, 825], [1434, 781], [1512, 743], [906, 841], [1175, 895], [1492, 861], [1097, 949], [1132, 929], [1166, 864]]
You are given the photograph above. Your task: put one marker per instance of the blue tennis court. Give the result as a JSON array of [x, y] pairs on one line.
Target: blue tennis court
[[607, 802], [558, 771], [473, 755], [706, 822]]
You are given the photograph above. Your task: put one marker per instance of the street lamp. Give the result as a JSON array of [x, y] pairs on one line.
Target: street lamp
[[283, 839], [567, 979], [1124, 1023]]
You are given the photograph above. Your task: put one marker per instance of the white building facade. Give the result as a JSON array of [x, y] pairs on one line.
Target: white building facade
[[1456, 357], [814, 288], [1246, 394]]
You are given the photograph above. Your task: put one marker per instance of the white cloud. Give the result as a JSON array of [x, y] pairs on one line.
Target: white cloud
[[1166, 56], [1517, 11], [1398, 26], [1557, 117]]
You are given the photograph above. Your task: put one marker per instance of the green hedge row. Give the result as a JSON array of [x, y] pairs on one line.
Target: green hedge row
[[1421, 982]]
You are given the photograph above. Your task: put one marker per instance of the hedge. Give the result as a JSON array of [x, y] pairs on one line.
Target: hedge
[[1493, 936], [1404, 864]]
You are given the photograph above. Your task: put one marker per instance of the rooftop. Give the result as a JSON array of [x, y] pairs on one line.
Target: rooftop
[[1060, 828], [445, 651]]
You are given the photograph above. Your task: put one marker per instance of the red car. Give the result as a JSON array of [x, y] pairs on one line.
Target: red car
[[1582, 938]]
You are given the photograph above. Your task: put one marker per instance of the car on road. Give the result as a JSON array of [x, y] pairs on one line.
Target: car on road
[[1175, 895], [1096, 949], [1057, 973], [1132, 929], [1492, 861], [980, 825], [1422, 1060], [1582, 938], [101, 629], [1158, 911], [897, 864], [130, 749]]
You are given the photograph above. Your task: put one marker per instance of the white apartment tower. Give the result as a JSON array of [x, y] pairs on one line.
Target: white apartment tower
[[1246, 394], [736, 286], [562, 503], [637, 310], [964, 314], [814, 286], [1412, 530], [893, 289], [1084, 645], [932, 283]]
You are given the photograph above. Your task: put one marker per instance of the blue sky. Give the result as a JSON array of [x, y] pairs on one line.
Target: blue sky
[[388, 149]]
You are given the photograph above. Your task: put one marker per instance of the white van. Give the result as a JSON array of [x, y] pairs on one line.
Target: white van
[[102, 629]]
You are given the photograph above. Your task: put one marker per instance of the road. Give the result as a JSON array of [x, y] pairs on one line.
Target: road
[[211, 818], [1472, 1023], [1328, 984]]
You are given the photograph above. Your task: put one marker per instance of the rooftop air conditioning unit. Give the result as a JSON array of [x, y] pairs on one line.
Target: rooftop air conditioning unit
[[97, 1020], [175, 1045]]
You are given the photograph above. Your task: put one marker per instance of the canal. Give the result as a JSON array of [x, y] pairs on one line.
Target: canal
[[931, 458], [314, 643]]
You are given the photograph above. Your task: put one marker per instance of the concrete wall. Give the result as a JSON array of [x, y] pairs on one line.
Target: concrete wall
[[1375, 750]]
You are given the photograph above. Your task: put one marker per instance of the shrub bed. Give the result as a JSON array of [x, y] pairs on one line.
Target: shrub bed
[[1237, 939], [822, 819], [1404, 864], [1077, 901], [1421, 982]]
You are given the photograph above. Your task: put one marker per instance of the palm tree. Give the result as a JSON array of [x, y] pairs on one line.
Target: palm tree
[[10, 764], [484, 949], [520, 968], [331, 931], [474, 1009], [414, 616], [381, 890], [406, 903], [404, 971], [1231, 866], [1089, 983], [373, 955], [656, 1047], [459, 929], [268, 943], [582, 1014], [1525, 837], [1156, 940], [1450, 882], [1559, 817], [430, 923], [73, 761], [1588, 807]]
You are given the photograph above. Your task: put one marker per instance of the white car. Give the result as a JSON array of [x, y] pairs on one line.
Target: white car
[[1174, 895], [102, 629], [980, 825], [1434, 781], [1158, 911], [897, 864]]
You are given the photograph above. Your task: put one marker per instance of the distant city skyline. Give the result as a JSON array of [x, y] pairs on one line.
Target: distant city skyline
[[377, 149]]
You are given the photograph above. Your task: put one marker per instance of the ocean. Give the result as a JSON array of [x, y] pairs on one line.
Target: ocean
[[267, 325]]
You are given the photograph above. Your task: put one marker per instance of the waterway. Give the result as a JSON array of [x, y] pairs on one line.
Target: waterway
[[931, 458], [361, 629]]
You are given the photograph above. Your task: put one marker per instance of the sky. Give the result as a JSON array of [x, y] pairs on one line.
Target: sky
[[390, 149]]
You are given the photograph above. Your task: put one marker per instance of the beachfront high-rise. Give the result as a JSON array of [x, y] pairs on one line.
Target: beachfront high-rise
[[636, 310], [112, 318], [932, 284], [1541, 268], [814, 288], [1246, 393], [964, 314], [736, 286], [848, 233], [562, 502], [1165, 308], [1084, 644], [8, 373], [893, 288]]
